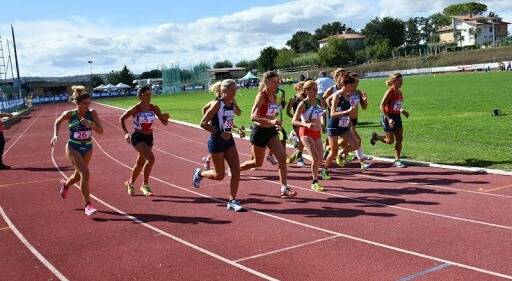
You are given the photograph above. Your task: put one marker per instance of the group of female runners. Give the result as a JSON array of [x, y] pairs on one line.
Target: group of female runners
[[336, 111]]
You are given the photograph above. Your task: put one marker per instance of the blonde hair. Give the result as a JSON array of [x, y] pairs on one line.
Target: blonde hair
[[298, 87], [226, 84], [266, 77], [79, 94], [215, 88], [338, 73], [307, 85], [392, 78]]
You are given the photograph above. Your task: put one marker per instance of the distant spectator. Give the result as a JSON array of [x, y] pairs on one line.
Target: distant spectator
[[302, 77], [324, 82], [509, 66]]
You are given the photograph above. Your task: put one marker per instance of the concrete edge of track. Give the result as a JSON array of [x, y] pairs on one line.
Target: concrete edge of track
[[11, 121], [410, 162]]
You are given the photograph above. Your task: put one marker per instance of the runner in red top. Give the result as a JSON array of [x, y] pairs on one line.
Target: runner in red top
[[144, 114], [2, 141], [391, 107]]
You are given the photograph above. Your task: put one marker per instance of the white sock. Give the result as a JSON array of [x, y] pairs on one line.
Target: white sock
[[360, 154], [283, 188]]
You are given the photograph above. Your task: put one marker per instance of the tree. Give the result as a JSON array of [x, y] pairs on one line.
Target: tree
[[113, 77], [336, 53], [96, 81], [329, 29], [412, 32], [185, 75], [223, 64], [385, 28], [285, 58], [472, 8], [380, 50], [248, 65], [302, 42], [155, 73], [267, 59], [126, 76]]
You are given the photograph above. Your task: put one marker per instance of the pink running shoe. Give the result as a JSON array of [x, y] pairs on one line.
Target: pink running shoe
[[63, 190], [90, 210], [206, 162]]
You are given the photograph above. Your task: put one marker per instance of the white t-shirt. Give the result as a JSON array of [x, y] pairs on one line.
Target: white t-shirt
[[324, 83]]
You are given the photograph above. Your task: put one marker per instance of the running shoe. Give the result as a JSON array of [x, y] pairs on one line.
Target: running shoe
[[129, 188], [272, 159], [365, 165], [398, 164], [146, 190], [300, 162], [373, 138], [288, 193], [234, 205], [292, 157], [324, 173], [90, 210], [317, 187], [341, 159], [196, 179], [63, 190], [206, 163]]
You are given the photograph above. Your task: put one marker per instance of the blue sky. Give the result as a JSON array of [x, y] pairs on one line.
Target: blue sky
[[57, 38]]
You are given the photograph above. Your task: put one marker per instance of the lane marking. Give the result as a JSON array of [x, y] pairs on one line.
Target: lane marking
[[389, 247], [495, 188], [425, 272], [5, 228], [28, 182], [19, 137], [289, 248], [164, 233]]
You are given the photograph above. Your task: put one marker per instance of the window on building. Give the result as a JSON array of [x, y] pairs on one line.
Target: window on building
[[490, 28]]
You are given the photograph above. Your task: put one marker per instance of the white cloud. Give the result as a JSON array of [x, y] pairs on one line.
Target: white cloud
[[63, 46]]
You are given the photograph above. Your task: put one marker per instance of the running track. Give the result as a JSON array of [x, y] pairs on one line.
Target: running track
[[384, 224]]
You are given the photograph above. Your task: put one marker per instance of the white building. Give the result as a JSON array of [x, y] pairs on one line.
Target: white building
[[354, 40], [473, 30]]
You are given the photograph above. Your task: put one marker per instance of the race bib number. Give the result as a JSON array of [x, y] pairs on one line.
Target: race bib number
[[146, 119], [82, 135], [397, 106], [354, 100], [317, 113], [228, 119], [344, 121], [273, 109]]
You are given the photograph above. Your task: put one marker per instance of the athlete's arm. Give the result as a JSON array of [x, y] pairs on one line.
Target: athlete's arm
[[163, 117], [254, 115], [207, 117], [238, 111], [364, 100], [383, 102], [96, 125], [66, 115], [123, 117], [336, 114], [296, 121], [289, 108]]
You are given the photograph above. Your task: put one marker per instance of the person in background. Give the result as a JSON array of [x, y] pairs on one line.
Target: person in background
[[2, 141], [323, 83]]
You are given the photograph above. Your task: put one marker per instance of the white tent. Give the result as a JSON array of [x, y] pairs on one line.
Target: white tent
[[109, 87], [249, 76], [123, 86], [100, 87]]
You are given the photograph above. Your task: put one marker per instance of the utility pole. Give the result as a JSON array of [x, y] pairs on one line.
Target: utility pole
[[16, 60]]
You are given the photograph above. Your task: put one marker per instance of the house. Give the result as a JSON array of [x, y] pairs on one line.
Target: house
[[471, 30], [218, 74], [354, 40]]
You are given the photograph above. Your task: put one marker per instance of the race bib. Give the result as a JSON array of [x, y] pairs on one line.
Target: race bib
[[317, 113], [354, 100], [397, 106], [228, 119], [82, 135], [344, 121], [273, 109], [146, 119]]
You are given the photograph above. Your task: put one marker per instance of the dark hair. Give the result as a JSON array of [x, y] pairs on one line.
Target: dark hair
[[143, 89], [347, 79], [322, 74]]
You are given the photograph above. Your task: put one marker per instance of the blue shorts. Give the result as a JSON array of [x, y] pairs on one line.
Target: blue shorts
[[333, 130], [81, 148], [385, 124], [216, 144]]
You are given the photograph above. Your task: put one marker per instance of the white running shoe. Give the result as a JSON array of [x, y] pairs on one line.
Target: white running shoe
[[90, 210]]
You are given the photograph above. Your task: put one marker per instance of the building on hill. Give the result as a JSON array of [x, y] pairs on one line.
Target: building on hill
[[50, 86], [354, 40], [218, 74], [472, 30]]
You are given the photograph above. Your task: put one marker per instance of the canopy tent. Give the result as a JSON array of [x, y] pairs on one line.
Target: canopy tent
[[100, 87], [249, 76], [109, 87], [123, 86]]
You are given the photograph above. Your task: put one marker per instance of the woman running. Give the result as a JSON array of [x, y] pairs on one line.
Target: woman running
[[293, 103], [391, 108], [218, 120], [264, 131], [308, 118], [82, 122], [2, 141], [144, 114], [338, 123]]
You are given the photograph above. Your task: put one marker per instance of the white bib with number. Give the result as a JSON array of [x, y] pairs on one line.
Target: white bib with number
[[228, 117], [397, 106], [273, 109], [354, 100], [344, 121], [82, 135]]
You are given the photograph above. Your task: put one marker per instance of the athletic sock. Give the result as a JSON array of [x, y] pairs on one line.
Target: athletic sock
[[283, 188]]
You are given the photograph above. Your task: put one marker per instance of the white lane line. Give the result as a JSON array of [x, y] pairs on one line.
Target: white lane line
[[425, 272], [288, 248], [31, 248], [389, 247], [5, 228], [175, 238], [19, 137]]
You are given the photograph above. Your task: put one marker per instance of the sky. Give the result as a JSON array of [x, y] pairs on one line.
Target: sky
[[58, 38]]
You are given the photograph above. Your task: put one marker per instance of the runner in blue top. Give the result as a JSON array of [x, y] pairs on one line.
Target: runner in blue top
[[82, 122]]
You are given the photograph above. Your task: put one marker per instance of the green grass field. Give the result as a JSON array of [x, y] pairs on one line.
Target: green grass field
[[450, 122]]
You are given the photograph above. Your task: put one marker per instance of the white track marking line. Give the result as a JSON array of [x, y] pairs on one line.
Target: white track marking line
[[175, 238], [289, 248], [389, 247], [27, 182], [350, 198], [5, 228], [425, 272], [19, 137], [31, 248]]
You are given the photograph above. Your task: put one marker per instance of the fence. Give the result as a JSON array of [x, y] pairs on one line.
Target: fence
[[12, 105]]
